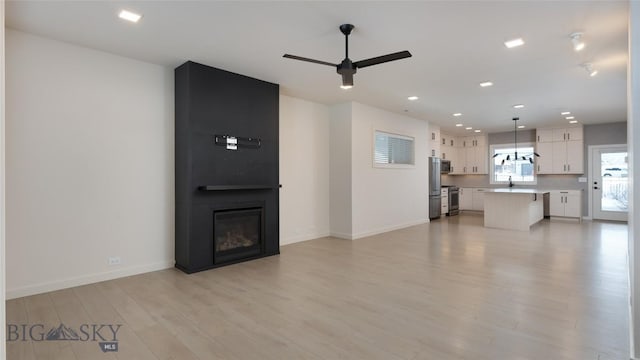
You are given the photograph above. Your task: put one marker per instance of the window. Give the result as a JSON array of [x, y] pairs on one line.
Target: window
[[503, 164], [392, 149]]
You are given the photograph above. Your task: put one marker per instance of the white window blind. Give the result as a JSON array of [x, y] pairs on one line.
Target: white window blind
[[393, 149]]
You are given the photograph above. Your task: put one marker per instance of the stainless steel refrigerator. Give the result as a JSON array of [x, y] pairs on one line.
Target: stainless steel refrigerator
[[435, 199]]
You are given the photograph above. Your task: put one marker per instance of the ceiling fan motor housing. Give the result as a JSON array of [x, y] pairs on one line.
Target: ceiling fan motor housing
[[347, 67]]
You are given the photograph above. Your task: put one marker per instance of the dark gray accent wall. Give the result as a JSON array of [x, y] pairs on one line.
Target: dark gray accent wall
[[605, 134], [599, 134], [524, 136], [210, 178]]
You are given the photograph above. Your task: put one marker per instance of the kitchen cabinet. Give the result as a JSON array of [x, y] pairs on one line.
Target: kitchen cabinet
[[445, 151], [544, 163], [567, 134], [444, 196], [564, 154], [458, 160], [476, 155], [471, 199], [434, 141], [565, 203], [544, 135], [451, 150], [478, 200], [465, 199]]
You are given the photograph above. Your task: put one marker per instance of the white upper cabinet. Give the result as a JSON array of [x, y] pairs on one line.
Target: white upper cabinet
[[469, 155], [561, 151], [476, 154], [544, 135], [434, 141], [544, 163]]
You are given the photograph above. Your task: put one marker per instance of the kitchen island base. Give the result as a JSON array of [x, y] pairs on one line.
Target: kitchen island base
[[513, 209]]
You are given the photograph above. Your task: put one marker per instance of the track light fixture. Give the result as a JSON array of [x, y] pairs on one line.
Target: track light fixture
[[589, 69], [576, 40]]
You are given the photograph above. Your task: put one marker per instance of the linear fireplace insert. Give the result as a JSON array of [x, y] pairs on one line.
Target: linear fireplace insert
[[237, 234]]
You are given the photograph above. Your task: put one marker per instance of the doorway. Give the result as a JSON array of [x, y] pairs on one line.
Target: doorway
[[609, 182]]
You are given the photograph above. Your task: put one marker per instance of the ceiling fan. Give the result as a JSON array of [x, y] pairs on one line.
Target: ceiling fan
[[347, 67]]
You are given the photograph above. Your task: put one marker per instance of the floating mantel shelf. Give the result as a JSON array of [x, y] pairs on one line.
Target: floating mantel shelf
[[236, 187]]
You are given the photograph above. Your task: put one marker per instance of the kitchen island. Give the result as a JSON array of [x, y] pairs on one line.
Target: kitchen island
[[513, 209]]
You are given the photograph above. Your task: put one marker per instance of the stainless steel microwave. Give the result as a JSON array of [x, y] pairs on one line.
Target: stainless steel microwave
[[445, 166]]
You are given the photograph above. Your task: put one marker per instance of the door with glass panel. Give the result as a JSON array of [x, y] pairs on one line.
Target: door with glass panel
[[610, 183]]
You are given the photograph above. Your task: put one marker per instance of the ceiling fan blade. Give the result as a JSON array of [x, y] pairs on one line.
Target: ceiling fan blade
[[295, 57], [347, 79], [382, 59]]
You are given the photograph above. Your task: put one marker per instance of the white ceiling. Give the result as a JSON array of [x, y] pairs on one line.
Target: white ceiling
[[455, 46]]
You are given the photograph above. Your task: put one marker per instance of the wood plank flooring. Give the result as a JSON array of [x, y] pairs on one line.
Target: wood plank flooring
[[451, 289]]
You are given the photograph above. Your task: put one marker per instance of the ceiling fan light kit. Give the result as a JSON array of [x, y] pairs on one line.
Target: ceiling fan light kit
[[348, 68]]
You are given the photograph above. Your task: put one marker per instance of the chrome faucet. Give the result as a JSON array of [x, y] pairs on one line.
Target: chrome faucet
[[510, 182]]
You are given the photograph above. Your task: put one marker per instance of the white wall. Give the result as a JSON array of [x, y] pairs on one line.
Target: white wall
[[304, 170], [3, 352], [633, 132], [89, 165], [339, 144], [385, 199]]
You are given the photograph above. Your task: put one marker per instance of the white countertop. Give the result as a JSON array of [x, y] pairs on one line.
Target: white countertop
[[516, 191]]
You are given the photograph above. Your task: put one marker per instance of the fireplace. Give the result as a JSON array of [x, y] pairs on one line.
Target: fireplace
[[226, 171], [237, 234]]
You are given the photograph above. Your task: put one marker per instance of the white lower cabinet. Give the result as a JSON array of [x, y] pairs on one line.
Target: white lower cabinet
[[465, 199], [444, 196], [471, 199], [565, 203], [478, 200]]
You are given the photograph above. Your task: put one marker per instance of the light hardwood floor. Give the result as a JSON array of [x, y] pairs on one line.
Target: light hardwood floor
[[451, 289]]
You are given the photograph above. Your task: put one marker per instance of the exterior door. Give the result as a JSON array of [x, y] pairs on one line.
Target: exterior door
[[610, 183]]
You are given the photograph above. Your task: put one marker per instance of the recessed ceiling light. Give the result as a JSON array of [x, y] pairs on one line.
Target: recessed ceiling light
[[413, 98], [457, 114], [514, 43], [346, 87], [468, 128], [570, 117], [573, 122], [518, 106], [459, 125], [476, 130], [486, 83], [520, 126], [565, 113], [129, 16]]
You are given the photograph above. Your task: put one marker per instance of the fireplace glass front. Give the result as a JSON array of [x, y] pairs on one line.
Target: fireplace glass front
[[237, 234]]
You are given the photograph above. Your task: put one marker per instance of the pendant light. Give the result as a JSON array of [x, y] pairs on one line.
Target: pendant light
[[515, 142]]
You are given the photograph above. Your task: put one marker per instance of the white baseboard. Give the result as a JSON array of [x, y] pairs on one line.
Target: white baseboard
[[305, 237], [86, 279], [341, 235], [388, 228], [378, 230]]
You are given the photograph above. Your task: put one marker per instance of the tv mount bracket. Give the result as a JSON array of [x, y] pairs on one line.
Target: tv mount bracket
[[233, 142]]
